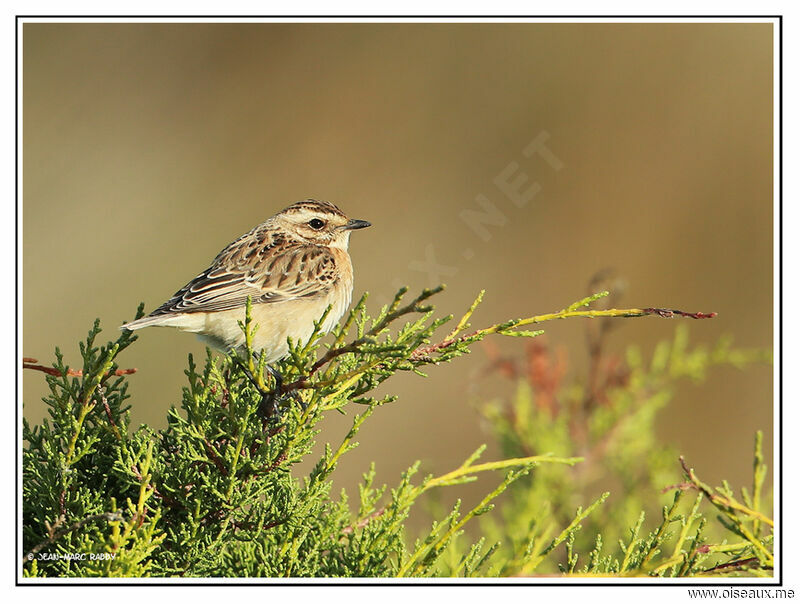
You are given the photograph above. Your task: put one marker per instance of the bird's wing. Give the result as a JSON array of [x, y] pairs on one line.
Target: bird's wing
[[263, 266]]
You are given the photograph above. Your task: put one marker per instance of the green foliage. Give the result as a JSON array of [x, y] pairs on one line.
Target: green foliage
[[213, 493], [610, 421]]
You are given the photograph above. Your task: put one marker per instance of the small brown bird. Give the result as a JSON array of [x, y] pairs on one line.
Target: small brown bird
[[292, 267]]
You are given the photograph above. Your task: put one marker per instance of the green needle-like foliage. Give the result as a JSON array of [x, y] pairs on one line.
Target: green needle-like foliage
[[611, 423], [214, 494]]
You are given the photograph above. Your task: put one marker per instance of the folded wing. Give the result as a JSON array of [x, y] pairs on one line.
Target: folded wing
[[264, 267]]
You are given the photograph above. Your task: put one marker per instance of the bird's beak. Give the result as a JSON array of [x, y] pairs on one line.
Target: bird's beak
[[356, 224]]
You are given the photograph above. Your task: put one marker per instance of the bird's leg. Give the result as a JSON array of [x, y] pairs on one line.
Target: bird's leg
[[267, 407], [269, 399]]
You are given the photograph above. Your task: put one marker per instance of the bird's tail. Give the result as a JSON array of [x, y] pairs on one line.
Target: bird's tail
[[193, 322], [146, 322]]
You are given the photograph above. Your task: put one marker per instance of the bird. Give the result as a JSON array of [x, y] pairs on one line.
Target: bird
[[291, 267]]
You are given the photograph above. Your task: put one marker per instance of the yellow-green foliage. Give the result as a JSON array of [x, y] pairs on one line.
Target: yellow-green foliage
[[612, 427], [212, 494]]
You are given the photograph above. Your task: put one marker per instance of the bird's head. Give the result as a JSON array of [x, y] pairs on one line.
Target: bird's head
[[319, 223]]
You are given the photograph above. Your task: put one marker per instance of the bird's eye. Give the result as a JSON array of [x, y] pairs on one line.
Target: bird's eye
[[316, 223]]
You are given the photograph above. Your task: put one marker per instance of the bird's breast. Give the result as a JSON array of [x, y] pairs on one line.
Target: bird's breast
[[341, 294]]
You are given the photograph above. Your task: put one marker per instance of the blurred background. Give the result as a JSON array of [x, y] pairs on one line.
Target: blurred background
[[149, 147]]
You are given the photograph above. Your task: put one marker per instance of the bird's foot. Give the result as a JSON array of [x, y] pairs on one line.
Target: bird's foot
[[268, 409]]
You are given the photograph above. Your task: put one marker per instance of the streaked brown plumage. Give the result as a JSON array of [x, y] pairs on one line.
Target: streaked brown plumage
[[292, 266]]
